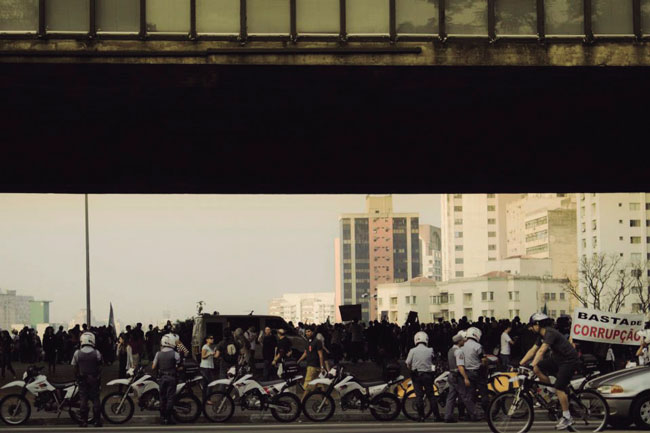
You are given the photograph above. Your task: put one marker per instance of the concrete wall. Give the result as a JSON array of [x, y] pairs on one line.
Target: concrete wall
[[459, 52]]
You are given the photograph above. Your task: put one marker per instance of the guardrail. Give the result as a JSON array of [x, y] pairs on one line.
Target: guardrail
[[327, 20]]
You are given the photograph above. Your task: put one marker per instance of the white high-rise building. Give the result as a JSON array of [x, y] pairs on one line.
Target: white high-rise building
[[431, 252], [473, 232], [614, 224], [304, 307]]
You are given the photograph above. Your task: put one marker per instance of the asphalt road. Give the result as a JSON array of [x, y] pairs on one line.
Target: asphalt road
[[297, 427]]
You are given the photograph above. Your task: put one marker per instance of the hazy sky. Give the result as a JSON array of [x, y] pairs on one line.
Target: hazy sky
[[151, 253]]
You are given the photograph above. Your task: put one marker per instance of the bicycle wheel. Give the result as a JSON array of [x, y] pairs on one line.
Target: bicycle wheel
[[15, 409], [116, 410], [218, 407], [510, 412], [187, 408], [290, 407], [385, 407], [318, 406], [589, 410], [409, 408]]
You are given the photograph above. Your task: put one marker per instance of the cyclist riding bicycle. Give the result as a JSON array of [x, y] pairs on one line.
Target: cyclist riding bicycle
[[561, 364]]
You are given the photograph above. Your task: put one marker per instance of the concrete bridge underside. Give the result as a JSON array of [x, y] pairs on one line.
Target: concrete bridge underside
[[466, 52]]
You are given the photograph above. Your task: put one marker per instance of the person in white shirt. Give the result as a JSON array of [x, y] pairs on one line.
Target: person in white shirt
[[505, 350], [207, 364], [643, 353], [610, 359]]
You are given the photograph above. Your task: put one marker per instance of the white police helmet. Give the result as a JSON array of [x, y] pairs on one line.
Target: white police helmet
[[421, 337], [168, 340], [87, 339], [474, 333]]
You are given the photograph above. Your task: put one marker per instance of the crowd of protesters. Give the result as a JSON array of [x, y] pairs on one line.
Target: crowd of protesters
[[377, 341]]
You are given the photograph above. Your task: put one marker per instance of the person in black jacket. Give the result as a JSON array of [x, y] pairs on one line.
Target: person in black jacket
[[269, 343]]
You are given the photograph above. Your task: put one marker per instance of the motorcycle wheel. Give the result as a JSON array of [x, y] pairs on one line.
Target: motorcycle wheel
[[318, 406], [390, 407], [15, 409], [410, 410], [111, 410], [291, 403], [75, 410], [187, 408], [218, 407]]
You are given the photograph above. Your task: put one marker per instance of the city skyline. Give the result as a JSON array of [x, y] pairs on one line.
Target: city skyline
[[146, 250]]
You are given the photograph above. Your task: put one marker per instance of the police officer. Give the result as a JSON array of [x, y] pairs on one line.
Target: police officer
[[420, 362], [87, 362], [474, 359], [457, 379], [166, 363]]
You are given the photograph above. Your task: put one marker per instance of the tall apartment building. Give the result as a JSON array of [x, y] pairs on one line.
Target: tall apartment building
[[615, 224], [431, 252], [304, 307], [377, 247], [516, 215], [473, 232]]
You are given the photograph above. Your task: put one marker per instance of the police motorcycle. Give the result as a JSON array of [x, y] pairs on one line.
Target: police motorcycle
[[355, 395], [118, 407], [241, 389], [15, 409]]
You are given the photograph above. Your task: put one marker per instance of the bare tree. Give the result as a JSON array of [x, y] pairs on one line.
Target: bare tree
[[603, 283]]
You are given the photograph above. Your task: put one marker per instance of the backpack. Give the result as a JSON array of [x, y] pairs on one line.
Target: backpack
[[230, 353]]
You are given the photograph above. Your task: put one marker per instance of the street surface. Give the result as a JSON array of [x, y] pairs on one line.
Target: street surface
[[297, 427]]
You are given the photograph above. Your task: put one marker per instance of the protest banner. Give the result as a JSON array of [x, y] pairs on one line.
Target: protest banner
[[604, 327]]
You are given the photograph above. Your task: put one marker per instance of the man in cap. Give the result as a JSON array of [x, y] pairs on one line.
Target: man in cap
[[87, 362]]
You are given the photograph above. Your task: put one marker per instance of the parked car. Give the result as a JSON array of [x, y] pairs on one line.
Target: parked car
[[628, 394]]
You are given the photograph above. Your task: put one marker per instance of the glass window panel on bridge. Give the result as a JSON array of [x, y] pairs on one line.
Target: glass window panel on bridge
[[645, 19], [516, 17], [612, 17], [168, 16], [67, 16], [18, 15], [318, 16], [218, 16], [564, 17], [467, 17], [118, 16], [367, 17], [268, 16], [417, 16]]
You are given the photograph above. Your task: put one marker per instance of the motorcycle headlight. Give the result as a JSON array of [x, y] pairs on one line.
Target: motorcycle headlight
[[610, 389]]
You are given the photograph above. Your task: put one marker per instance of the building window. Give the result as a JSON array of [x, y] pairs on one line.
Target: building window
[[647, 223], [491, 195], [492, 247], [393, 301], [647, 206], [458, 234], [594, 241], [582, 196], [458, 208], [635, 223], [538, 249], [458, 247], [459, 274], [647, 240], [491, 208], [635, 206], [562, 295], [635, 257], [593, 224], [458, 221], [458, 195], [459, 261], [492, 221], [467, 298], [584, 243], [583, 227], [635, 239], [414, 299], [620, 238], [593, 208], [492, 234], [467, 312], [537, 222], [487, 296], [408, 299], [620, 205]]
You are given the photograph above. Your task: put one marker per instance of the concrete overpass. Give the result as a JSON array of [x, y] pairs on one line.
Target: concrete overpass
[[328, 32]]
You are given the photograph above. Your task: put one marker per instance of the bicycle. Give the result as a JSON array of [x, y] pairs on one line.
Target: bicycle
[[513, 411]]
